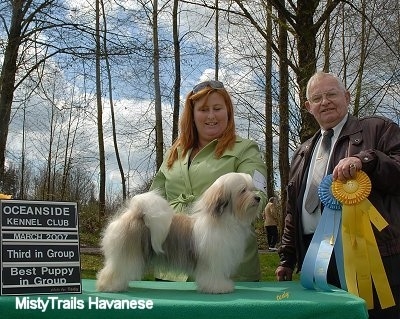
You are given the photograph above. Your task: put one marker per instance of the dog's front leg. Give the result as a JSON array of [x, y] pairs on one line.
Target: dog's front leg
[[212, 281]]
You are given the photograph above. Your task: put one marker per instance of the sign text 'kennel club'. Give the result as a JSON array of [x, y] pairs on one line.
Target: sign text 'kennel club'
[[39, 247]]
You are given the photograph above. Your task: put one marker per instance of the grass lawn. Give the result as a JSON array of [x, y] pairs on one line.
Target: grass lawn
[[90, 265]]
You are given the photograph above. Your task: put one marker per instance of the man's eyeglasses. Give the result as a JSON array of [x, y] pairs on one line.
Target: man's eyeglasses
[[330, 95], [213, 84]]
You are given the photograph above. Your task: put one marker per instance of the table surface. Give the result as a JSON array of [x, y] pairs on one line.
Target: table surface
[[267, 300]]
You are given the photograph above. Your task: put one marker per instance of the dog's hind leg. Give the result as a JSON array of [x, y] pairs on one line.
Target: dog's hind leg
[[124, 260]]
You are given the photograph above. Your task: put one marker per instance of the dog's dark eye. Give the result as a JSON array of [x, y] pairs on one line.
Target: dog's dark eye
[[243, 191]]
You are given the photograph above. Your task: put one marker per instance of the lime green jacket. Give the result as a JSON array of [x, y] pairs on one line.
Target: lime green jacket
[[183, 184]]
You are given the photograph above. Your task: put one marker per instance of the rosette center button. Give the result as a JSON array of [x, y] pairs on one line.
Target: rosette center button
[[351, 186]]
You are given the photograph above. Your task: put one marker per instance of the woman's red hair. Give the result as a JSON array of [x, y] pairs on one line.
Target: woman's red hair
[[188, 137]]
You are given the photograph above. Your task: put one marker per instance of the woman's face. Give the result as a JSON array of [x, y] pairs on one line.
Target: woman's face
[[210, 117]]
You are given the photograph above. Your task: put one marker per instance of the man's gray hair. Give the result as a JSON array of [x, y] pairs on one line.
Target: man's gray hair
[[321, 74]]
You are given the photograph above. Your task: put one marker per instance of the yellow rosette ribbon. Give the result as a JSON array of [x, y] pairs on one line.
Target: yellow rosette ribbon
[[362, 261]]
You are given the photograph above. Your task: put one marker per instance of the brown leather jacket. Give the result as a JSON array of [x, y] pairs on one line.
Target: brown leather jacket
[[376, 142]]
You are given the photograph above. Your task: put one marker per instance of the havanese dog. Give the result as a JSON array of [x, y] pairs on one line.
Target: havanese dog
[[207, 244]]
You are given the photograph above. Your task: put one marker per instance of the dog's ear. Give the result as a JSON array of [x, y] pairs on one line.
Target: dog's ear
[[219, 207], [216, 199]]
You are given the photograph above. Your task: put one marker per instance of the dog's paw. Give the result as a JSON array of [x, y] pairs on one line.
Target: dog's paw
[[219, 287], [109, 281]]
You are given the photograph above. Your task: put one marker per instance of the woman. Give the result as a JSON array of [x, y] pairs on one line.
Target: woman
[[207, 148]]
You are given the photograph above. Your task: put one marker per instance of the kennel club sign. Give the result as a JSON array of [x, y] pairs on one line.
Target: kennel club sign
[[39, 247]]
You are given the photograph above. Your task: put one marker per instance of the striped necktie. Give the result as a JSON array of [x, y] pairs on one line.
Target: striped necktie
[[321, 161]]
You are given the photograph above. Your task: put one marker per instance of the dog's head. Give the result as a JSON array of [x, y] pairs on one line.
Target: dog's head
[[232, 193]]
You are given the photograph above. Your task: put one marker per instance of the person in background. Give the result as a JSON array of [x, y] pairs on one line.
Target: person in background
[[271, 224], [370, 144], [206, 148]]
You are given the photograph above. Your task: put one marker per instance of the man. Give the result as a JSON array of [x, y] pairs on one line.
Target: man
[[370, 144]]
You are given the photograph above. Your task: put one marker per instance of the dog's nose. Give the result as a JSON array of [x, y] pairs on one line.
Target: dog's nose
[[257, 198]]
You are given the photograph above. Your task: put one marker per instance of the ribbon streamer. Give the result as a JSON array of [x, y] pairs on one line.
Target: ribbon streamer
[[316, 261], [362, 261]]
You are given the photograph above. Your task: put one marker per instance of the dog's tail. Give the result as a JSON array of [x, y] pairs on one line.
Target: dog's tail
[[157, 216]]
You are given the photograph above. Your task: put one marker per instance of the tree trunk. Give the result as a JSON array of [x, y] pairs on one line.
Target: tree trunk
[[47, 189], [269, 151], [7, 78], [363, 53], [216, 34], [327, 43], [114, 133], [307, 61], [100, 134], [157, 90], [283, 114], [177, 61], [23, 150], [70, 142]]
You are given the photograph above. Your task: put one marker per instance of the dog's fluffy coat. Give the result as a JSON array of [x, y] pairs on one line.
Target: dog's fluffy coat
[[208, 243]]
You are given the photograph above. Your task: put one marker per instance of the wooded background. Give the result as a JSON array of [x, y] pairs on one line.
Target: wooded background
[[91, 91]]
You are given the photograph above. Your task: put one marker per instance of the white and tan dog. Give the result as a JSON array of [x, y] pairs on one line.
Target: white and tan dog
[[208, 243]]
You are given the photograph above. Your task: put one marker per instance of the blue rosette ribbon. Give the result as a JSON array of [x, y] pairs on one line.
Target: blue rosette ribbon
[[326, 239]]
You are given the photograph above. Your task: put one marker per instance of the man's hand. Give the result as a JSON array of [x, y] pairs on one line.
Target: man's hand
[[347, 168], [283, 273]]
